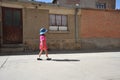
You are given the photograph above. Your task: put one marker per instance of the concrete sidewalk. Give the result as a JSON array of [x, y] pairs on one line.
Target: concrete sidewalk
[[73, 66]]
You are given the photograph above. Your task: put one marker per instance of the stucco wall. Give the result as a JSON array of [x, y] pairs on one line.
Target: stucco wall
[[34, 19], [63, 39]]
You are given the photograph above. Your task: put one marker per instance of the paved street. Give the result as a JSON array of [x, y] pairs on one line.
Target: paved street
[[73, 66]]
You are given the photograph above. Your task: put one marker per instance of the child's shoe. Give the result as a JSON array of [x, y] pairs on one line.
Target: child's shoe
[[39, 59], [48, 59]]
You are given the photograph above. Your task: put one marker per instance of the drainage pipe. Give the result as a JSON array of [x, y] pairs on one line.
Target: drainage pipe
[[76, 24]]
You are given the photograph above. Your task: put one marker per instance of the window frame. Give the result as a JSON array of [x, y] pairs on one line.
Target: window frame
[[101, 5], [59, 26]]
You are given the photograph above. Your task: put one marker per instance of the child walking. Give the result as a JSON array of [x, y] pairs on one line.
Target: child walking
[[42, 44]]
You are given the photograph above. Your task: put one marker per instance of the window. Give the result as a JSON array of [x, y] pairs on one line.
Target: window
[[7, 18], [12, 17], [101, 5], [58, 22], [17, 18]]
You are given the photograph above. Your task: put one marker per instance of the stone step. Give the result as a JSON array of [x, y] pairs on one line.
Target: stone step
[[12, 48], [11, 45]]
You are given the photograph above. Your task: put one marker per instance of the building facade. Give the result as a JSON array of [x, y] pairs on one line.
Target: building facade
[[95, 4], [68, 28], [21, 22]]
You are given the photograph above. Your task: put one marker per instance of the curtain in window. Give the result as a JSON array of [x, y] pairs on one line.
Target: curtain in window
[[58, 22]]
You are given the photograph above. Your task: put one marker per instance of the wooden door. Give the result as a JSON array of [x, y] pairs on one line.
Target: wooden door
[[12, 25]]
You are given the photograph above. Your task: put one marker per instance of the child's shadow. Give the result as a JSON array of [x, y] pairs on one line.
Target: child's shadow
[[66, 60]]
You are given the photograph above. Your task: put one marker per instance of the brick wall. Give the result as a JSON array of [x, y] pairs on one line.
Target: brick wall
[[100, 23], [100, 29]]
